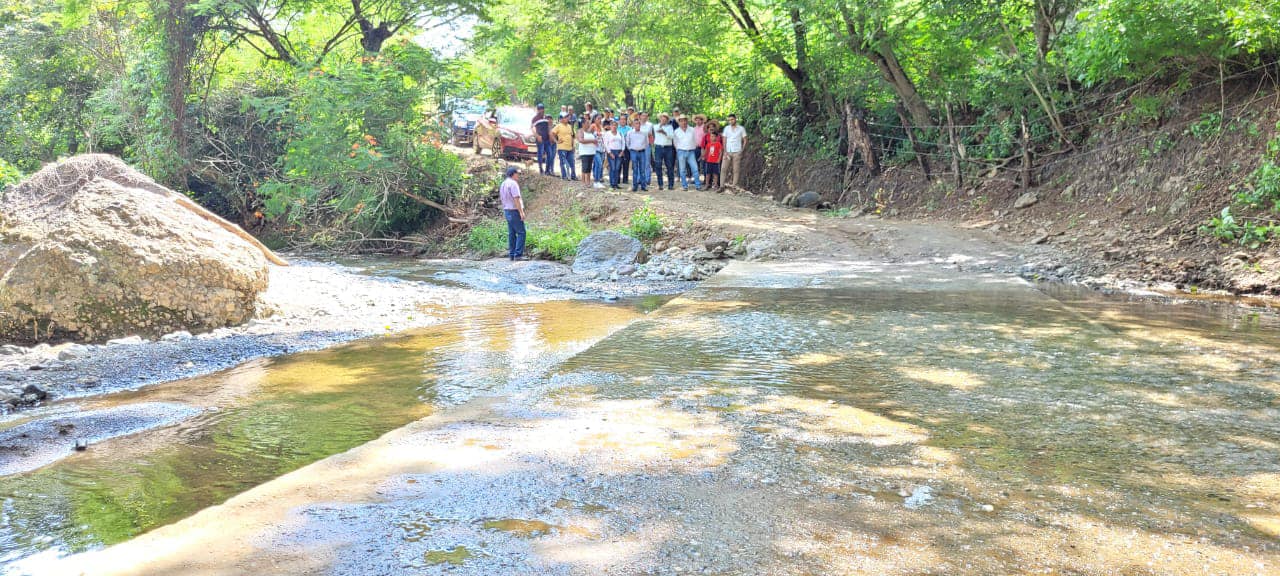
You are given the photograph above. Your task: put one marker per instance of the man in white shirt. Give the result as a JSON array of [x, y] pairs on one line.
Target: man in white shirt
[[664, 153], [638, 147], [686, 144], [735, 140]]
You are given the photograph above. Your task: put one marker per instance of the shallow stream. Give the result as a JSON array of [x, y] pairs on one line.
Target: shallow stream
[[781, 420], [240, 427]]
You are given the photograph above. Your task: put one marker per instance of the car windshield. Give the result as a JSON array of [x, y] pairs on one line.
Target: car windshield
[[515, 116]]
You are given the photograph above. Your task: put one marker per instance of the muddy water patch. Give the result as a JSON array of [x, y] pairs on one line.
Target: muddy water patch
[[258, 421]]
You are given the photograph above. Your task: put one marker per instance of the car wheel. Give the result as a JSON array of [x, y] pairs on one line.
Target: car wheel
[[456, 141]]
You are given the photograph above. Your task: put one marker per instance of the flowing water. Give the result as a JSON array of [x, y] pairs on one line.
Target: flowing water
[[805, 419], [244, 426]]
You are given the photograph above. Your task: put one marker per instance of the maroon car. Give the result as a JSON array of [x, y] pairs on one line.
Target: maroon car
[[508, 134]]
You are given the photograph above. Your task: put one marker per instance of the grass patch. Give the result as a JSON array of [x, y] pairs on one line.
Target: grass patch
[[645, 223], [488, 237], [559, 241]]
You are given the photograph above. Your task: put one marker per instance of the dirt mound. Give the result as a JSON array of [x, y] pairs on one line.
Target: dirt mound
[[91, 249]]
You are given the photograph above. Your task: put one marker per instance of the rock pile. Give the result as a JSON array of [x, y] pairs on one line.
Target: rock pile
[[91, 249]]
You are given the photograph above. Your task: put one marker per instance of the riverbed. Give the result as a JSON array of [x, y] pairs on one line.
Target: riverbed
[[787, 418]]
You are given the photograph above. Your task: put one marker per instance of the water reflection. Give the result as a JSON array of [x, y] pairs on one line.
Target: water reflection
[[1081, 415], [268, 417]]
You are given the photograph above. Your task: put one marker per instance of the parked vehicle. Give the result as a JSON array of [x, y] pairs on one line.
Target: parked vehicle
[[462, 120], [507, 133]]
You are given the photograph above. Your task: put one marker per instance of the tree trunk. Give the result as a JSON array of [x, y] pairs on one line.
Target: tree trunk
[[372, 37], [954, 142], [893, 73], [915, 147], [878, 48], [1026, 154], [182, 32], [860, 140]]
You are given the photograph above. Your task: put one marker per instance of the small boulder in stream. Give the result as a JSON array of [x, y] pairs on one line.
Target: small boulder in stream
[[91, 249], [604, 252]]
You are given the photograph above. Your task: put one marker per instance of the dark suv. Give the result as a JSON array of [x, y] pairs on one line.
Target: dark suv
[[462, 121]]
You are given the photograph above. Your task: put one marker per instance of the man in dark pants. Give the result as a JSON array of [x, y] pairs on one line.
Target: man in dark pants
[[546, 148], [513, 209]]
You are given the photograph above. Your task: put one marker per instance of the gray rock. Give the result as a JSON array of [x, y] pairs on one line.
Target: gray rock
[[762, 248], [716, 245], [626, 270], [11, 350], [176, 336], [126, 341], [690, 272], [808, 199], [1026, 200], [607, 250], [34, 391], [71, 352]]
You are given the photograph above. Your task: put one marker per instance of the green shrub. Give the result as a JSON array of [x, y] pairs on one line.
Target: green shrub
[[1208, 126], [560, 241], [489, 237], [1244, 232], [645, 223], [9, 173]]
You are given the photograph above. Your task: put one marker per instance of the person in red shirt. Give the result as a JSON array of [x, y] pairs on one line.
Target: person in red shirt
[[712, 150]]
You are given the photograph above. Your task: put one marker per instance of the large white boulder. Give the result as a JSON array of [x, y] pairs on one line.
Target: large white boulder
[[91, 249]]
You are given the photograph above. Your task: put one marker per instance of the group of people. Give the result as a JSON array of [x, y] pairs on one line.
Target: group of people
[[633, 149]]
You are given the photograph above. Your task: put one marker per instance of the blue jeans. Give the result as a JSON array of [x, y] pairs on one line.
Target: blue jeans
[[639, 168], [567, 169], [597, 169], [515, 233], [688, 162], [665, 157], [546, 156], [615, 167]]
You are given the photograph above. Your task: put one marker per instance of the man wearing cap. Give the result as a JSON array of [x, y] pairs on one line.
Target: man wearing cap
[[563, 134], [546, 148], [513, 209], [686, 152]]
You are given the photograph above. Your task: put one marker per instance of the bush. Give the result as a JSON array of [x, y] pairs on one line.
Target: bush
[[560, 241], [359, 150], [488, 238], [1244, 232], [9, 173], [645, 223]]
